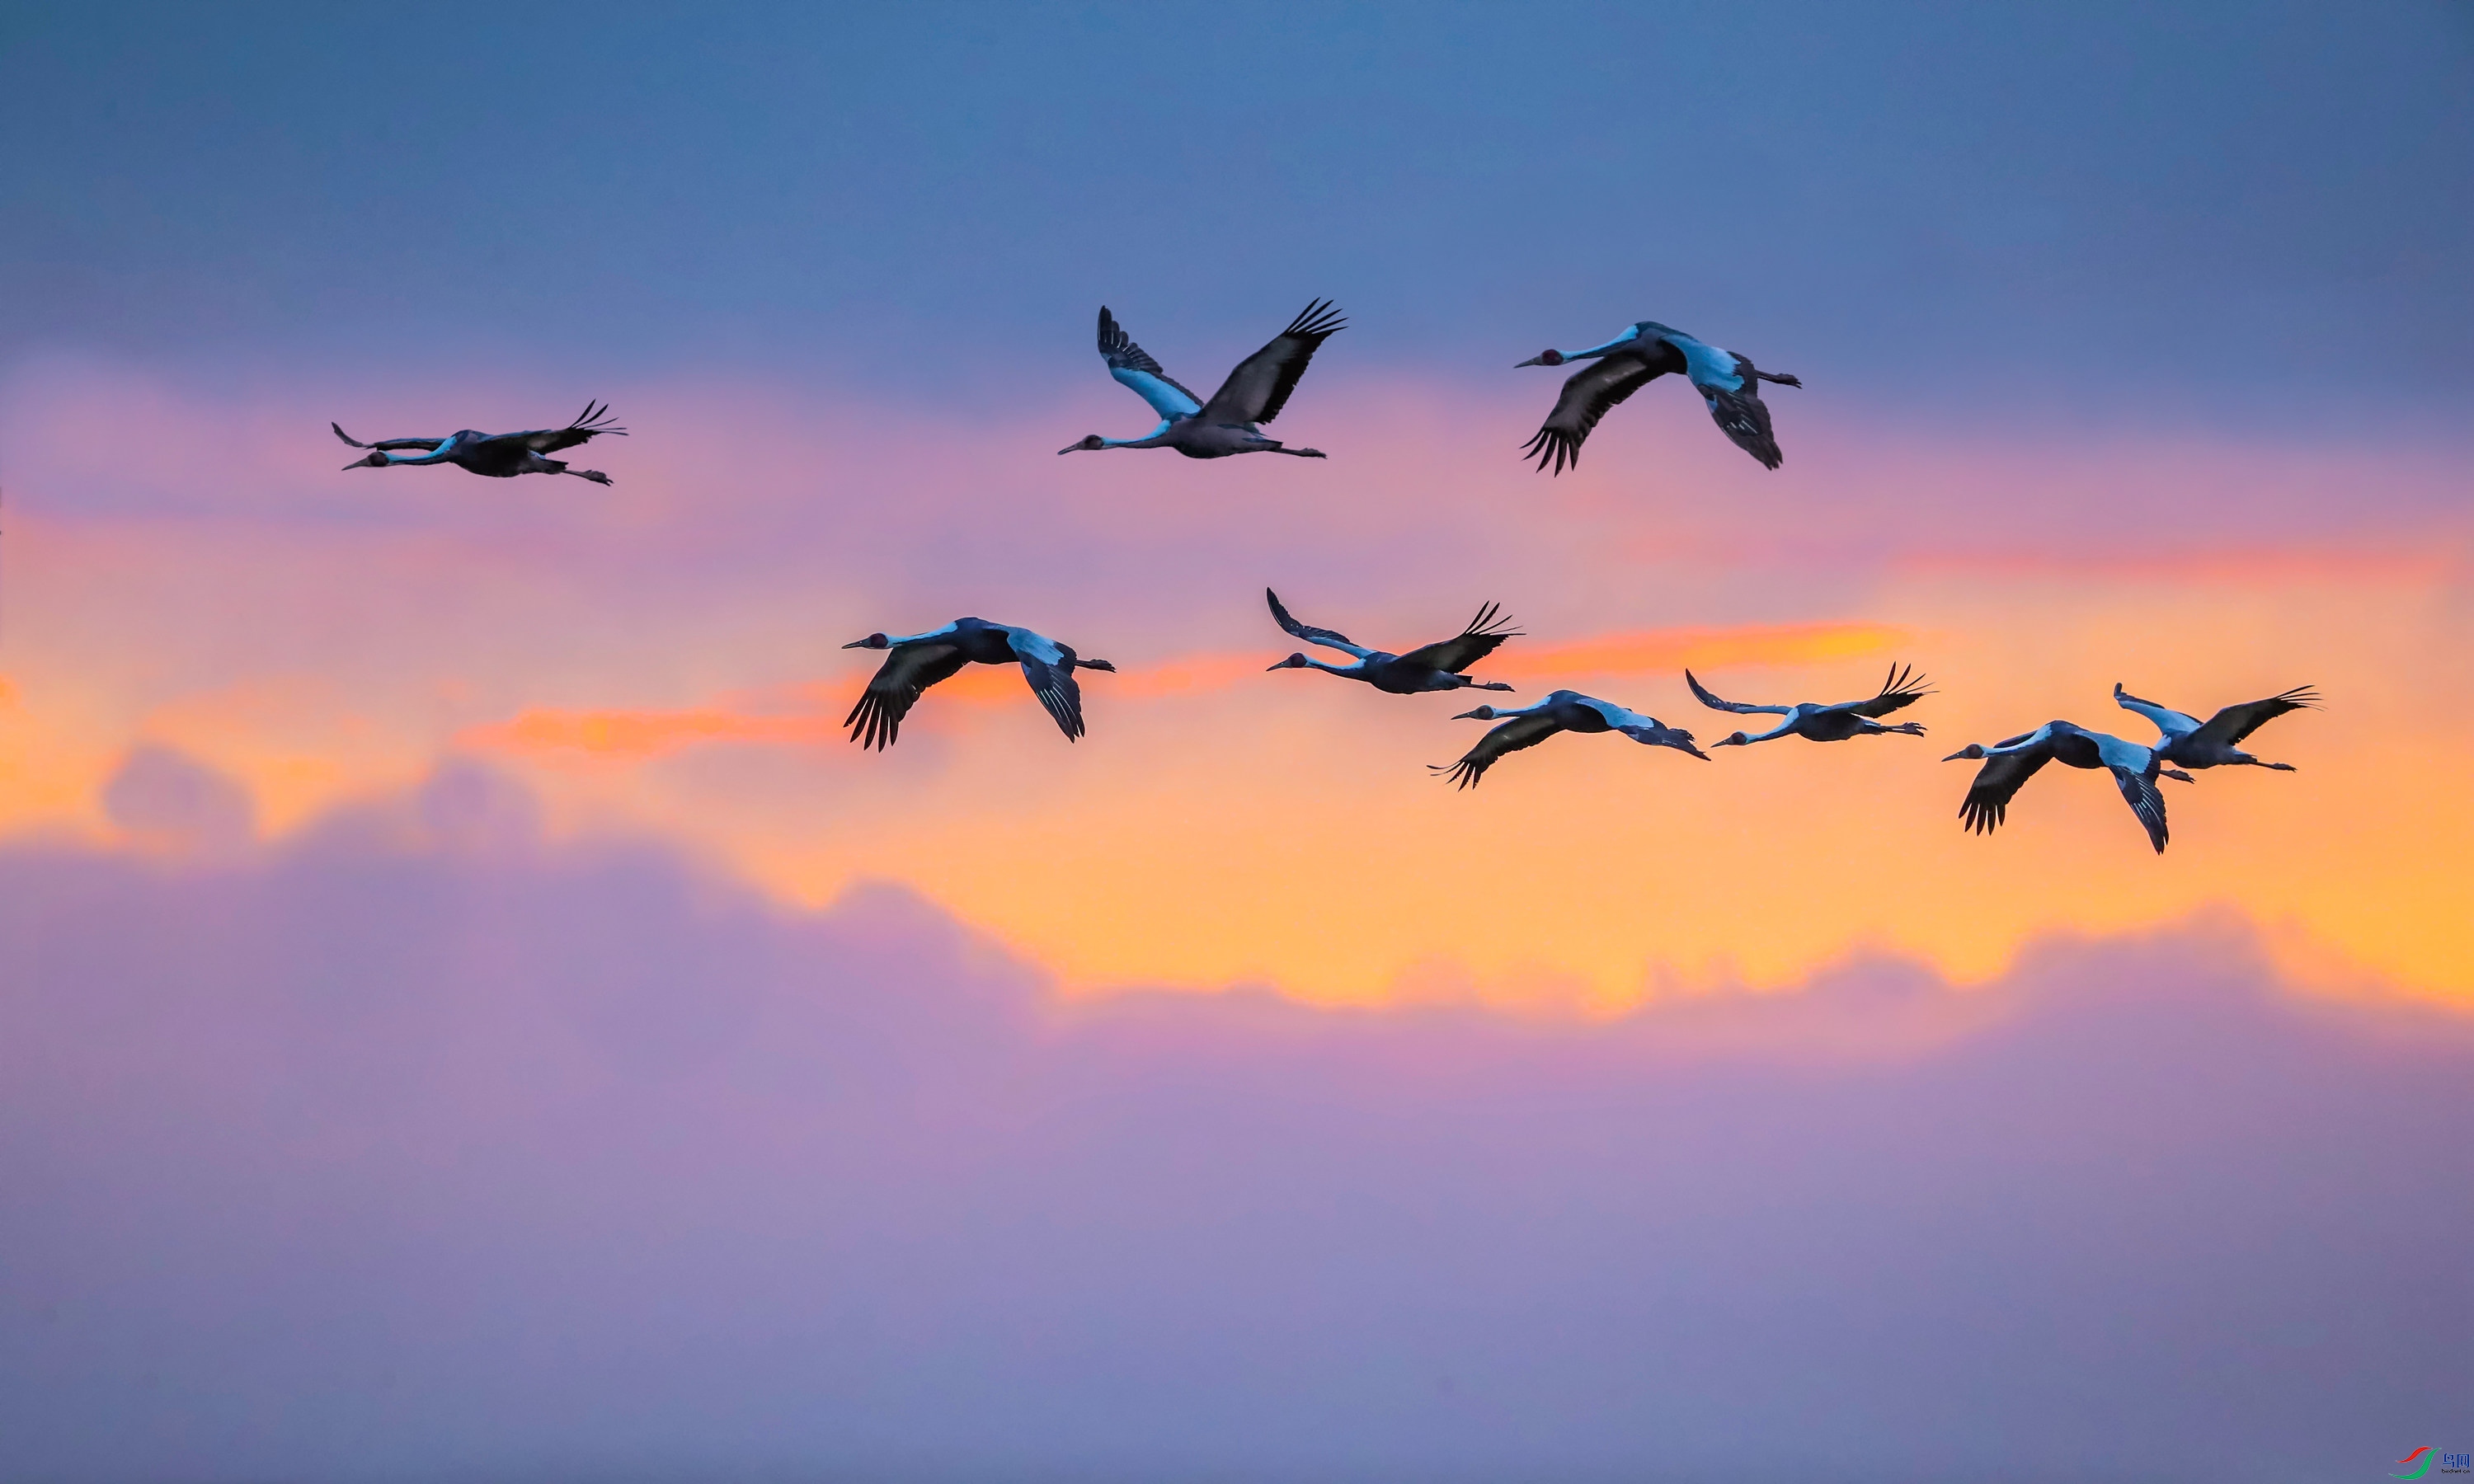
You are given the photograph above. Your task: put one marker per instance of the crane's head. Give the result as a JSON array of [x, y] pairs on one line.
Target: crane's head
[[1733, 739], [1293, 662], [1090, 442], [375, 460], [872, 641], [1483, 713], [1971, 752], [1547, 357]]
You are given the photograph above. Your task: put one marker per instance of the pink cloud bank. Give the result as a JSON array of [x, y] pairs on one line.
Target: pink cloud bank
[[418, 1144]]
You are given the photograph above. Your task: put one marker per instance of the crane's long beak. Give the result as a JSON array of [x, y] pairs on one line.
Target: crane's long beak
[[1470, 716], [1957, 756], [856, 644]]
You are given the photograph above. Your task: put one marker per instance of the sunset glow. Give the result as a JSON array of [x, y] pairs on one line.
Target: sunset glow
[[1224, 826], [470, 1010]]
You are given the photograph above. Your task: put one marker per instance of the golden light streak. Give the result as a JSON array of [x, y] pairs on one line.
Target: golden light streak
[[650, 734], [1676, 648]]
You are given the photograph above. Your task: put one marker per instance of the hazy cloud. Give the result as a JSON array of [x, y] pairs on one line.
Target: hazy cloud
[[422, 1145], [165, 798]]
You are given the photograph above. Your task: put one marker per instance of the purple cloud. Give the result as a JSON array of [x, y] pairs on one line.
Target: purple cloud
[[165, 798], [418, 1144]]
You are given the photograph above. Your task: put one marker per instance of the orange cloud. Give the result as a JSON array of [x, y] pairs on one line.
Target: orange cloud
[[641, 734], [1220, 829], [789, 716], [636, 733], [1183, 677], [1671, 649], [2257, 565]]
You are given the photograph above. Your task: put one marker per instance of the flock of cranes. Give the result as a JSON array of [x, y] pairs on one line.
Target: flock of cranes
[[1232, 422]]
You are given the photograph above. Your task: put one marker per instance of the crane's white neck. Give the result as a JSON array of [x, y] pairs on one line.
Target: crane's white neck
[[1149, 440], [431, 457], [1594, 351]]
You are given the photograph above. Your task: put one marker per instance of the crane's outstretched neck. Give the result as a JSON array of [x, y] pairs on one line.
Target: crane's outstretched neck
[[437, 455], [1553, 357], [1092, 443], [1628, 337], [1785, 727]]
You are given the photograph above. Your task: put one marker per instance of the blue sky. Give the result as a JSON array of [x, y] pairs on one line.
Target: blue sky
[[2223, 213]]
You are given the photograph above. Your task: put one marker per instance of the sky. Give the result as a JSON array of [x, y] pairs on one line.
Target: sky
[[470, 1014]]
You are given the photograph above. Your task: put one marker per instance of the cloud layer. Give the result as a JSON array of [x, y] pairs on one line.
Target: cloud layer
[[418, 1145], [663, 656]]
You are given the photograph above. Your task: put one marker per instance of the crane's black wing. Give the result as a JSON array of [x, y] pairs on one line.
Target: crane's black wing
[[1902, 687], [1056, 687], [1133, 366], [1998, 781], [1328, 639], [1743, 417], [1740, 707], [896, 687], [590, 425], [1509, 737], [1657, 733], [1586, 397], [1259, 386], [2237, 722], [1484, 634], [2139, 790], [390, 445]]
